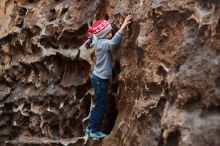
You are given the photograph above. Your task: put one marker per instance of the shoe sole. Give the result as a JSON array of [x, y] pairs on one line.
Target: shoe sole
[[96, 138]]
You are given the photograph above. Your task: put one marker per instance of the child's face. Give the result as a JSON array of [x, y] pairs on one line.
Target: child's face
[[109, 35]]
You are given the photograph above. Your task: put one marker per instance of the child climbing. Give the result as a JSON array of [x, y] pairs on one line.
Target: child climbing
[[103, 42]]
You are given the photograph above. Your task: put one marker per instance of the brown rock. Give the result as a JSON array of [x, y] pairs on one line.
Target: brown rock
[[165, 87]]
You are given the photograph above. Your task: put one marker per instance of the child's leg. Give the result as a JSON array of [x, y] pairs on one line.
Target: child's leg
[[101, 92]]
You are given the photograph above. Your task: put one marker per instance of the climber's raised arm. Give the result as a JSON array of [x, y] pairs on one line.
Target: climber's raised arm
[[114, 41]]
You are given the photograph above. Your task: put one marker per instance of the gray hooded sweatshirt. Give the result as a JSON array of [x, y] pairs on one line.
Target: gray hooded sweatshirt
[[103, 47]]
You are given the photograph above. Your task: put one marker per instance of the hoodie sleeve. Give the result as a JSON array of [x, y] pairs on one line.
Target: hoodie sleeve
[[115, 41]]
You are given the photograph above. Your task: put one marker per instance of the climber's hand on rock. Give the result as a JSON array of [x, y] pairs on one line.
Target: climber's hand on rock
[[126, 22]]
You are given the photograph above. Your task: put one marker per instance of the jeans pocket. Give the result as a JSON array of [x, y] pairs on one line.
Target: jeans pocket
[[97, 90], [104, 85]]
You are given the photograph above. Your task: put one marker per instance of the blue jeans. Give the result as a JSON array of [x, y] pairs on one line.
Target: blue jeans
[[101, 93]]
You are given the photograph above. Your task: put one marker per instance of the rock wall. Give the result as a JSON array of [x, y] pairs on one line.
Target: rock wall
[[166, 83]]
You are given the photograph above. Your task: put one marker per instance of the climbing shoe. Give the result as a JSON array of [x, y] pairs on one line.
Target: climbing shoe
[[87, 130], [97, 135]]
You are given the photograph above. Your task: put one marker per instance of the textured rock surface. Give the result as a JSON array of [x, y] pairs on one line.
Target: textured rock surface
[[166, 83]]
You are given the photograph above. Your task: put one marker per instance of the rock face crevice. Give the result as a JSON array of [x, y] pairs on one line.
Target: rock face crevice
[[165, 86]]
